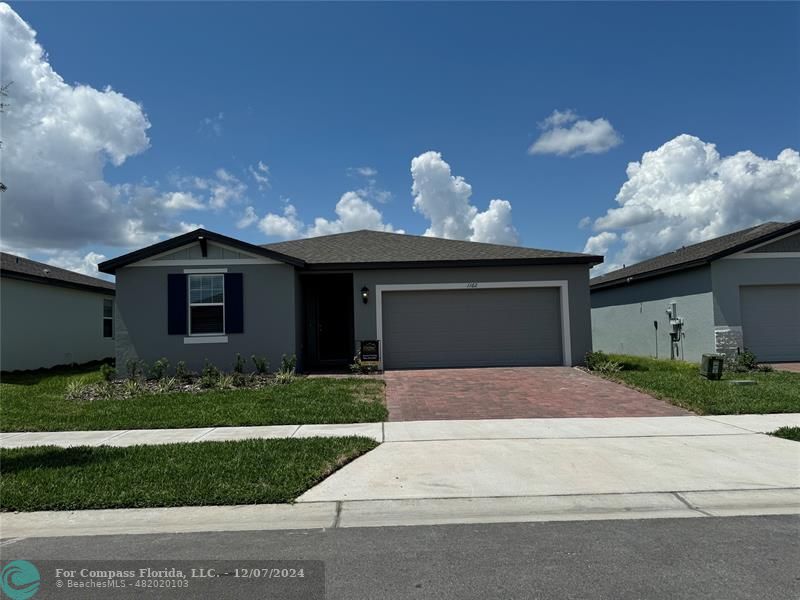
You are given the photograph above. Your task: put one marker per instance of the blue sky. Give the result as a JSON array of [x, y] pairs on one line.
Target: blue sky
[[315, 90]]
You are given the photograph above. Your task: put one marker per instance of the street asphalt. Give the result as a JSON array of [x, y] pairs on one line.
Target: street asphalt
[[726, 558]]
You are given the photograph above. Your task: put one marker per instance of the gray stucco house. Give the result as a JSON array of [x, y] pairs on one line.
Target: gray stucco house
[[737, 291], [51, 316], [428, 302]]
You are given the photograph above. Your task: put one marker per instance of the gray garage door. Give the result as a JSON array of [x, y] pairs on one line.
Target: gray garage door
[[472, 328], [771, 321]]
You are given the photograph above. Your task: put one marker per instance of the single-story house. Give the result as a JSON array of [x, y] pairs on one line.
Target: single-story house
[[428, 302], [51, 316], [733, 292]]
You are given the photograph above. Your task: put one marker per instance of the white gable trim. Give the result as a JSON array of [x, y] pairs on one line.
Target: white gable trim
[[252, 259]]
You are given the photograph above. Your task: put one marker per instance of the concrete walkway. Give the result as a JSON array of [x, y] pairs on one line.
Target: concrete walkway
[[419, 431]]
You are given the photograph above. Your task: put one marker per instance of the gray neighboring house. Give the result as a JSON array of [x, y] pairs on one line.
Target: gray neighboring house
[[428, 302], [737, 291], [51, 316]]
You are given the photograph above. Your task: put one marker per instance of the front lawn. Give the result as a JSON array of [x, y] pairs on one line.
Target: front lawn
[[681, 384], [206, 473], [35, 401], [789, 433]]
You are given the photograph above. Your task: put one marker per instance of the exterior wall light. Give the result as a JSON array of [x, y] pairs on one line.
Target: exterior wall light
[[365, 294]]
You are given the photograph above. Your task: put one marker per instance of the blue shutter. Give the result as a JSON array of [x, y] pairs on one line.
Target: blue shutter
[[176, 304], [234, 303]]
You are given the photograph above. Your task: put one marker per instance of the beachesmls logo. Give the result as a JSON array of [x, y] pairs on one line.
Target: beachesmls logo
[[20, 580]]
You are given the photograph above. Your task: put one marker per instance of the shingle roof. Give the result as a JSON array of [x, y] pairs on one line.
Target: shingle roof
[[24, 268], [696, 254], [372, 248]]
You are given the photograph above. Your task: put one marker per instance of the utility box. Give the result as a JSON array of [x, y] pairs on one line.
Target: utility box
[[711, 366]]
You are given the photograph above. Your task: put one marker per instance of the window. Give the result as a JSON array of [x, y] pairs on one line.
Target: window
[[108, 318], [206, 304]]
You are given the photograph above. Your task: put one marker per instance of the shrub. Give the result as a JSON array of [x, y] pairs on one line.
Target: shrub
[[226, 382], [166, 384], [288, 363], [108, 372], [764, 368], [181, 372], [75, 389], [132, 387], [134, 368], [261, 364], [210, 375], [160, 369], [239, 363], [594, 359], [608, 367], [744, 362], [105, 390], [240, 379], [284, 377]]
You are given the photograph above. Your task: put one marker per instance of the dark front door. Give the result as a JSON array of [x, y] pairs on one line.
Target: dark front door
[[328, 301]]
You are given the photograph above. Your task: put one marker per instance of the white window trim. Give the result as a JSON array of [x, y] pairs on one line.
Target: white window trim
[[191, 304], [561, 284], [206, 339], [111, 318]]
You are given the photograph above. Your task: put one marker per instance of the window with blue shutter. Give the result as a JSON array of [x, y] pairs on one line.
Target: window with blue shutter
[[234, 303], [177, 304]]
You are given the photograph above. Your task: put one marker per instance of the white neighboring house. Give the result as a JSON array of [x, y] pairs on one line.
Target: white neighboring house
[[51, 316]]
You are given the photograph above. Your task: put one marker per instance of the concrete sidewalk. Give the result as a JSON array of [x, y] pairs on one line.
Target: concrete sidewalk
[[418, 431], [387, 513]]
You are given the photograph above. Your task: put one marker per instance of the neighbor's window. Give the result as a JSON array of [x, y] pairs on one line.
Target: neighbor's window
[[206, 304], [108, 318]]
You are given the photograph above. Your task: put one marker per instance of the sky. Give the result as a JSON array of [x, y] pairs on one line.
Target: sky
[[625, 130]]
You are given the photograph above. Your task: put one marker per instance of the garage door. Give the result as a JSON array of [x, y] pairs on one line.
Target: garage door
[[771, 321], [472, 328]]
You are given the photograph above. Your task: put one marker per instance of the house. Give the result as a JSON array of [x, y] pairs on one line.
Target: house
[[737, 291], [428, 302], [51, 316]]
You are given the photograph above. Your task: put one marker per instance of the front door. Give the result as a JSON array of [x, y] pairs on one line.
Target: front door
[[328, 320]]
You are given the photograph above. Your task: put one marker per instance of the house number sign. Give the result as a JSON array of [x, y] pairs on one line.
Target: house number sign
[[472, 284]]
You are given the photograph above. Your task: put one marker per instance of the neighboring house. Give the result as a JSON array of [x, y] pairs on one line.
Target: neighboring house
[[51, 316], [429, 302], [737, 291]]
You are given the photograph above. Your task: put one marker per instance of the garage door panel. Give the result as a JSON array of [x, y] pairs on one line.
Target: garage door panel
[[771, 321], [475, 327]]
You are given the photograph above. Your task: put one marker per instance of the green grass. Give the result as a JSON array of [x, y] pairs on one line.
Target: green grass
[[789, 433], [206, 473], [35, 401], [681, 384]]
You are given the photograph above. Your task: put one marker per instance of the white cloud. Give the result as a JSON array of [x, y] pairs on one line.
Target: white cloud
[[362, 171], [444, 200], [566, 134], [86, 264], [248, 218], [58, 140], [182, 201], [584, 222], [213, 124], [684, 192], [284, 226], [599, 244], [557, 118], [354, 213], [261, 175]]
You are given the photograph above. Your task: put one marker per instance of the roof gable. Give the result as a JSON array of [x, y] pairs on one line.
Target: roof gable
[[696, 254], [162, 250]]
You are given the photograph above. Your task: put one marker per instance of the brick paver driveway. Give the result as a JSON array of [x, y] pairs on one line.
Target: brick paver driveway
[[514, 393]]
